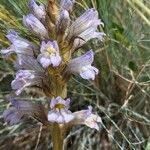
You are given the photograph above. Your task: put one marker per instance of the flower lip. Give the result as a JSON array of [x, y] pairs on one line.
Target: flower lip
[[49, 54], [82, 65], [59, 111], [59, 102]]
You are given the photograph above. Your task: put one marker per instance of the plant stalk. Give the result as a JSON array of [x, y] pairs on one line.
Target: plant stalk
[[57, 134]]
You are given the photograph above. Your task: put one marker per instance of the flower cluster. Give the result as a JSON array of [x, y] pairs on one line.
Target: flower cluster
[[59, 113], [47, 63]]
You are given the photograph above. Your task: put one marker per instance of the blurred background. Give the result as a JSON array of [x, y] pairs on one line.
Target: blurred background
[[120, 94]]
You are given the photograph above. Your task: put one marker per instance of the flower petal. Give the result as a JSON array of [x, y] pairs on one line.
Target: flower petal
[[62, 116], [26, 78], [12, 116], [59, 100], [33, 24], [28, 63], [49, 54], [20, 45], [63, 22], [20, 108], [67, 4], [86, 117], [89, 73], [38, 11], [82, 66], [87, 20], [59, 112], [44, 60], [87, 35]]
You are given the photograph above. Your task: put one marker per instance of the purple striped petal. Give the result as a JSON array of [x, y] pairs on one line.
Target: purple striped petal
[[67, 4], [33, 24], [86, 117], [20, 45], [59, 111], [21, 108], [82, 66], [63, 22], [38, 11], [26, 78], [49, 54], [88, 20], [12, 116]]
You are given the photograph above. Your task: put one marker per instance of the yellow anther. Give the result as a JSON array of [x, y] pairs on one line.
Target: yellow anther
[[51, 50], [59, 106]]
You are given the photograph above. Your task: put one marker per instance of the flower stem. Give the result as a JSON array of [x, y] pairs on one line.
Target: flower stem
[[57, 137]]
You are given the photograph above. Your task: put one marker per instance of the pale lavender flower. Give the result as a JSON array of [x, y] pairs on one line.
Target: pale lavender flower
[[63, 22], [67, 4], [26, 78], [49, 54], [38, 11], [87, 35], [88, 20], [21, 108], [59, 112], [19, 45], [25, 62], [82, 66], [12, 116], [86, 117], [33, 24], [10, 50]]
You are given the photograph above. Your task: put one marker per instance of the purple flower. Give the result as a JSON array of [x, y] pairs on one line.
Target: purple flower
[[82, 66], [86, 117], [88, 20], [38, 11], [33, 24], [67, 4], [87, 35], [26, 78], [22, 108], [19, 45], [49, 54], [63, 22], [59, 112], [12, 116]]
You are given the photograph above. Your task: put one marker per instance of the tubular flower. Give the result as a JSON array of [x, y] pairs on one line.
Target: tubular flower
[[63, 22], [67, 4], [49, 54], [26, 78], [86, 117], [82, 66], [21, 108], [30, 73], [33, 24], [38, 11], [60, 112], [19, 45]]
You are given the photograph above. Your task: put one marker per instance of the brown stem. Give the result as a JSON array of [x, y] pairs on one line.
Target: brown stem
[[57, 134]]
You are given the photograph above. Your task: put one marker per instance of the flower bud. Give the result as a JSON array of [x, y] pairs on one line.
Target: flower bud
[[33, 24]]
